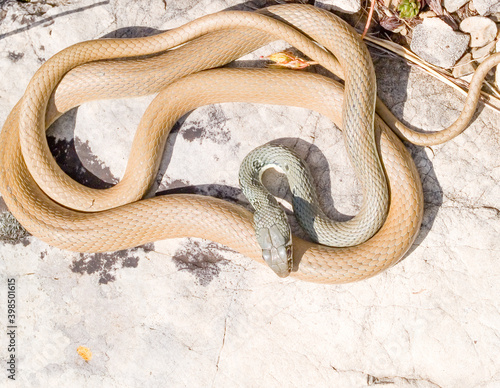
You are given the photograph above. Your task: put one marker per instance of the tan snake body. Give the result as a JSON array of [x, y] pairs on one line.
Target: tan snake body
[[135, 223]]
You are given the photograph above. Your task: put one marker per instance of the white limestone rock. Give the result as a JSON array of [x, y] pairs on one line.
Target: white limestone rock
[[346, 6], [487, 7], [437, 43], [482, 30], [454, 5]]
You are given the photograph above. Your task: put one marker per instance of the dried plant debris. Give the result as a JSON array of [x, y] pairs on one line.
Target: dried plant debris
[[84, 353], [399, 24], [11, 231], [287, 59]]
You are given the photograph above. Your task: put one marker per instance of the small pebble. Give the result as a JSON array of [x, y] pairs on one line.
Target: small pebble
[[437, 43], [482, 30], [427, 14], [464, 66]]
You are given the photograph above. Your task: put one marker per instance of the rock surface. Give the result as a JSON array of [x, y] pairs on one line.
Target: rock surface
[[486, 7], [437, 43], [346, 6], [454, 5], [481, 53], [190, 313]]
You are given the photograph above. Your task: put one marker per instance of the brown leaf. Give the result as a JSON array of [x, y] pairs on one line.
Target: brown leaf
[[443, 14], [436, 6], [391, 23]]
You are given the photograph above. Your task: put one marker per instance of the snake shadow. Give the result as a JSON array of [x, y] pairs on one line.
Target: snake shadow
[[392, 88], [392, 85]]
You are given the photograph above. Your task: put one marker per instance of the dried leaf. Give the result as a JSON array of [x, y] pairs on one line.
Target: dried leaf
[[443, 14], [391, 23], [85, 353], [436, 6], [288, 60]]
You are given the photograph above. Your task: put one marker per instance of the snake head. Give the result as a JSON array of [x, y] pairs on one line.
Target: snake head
[[277, 249]]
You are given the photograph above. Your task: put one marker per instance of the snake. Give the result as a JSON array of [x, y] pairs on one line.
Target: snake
[[272, 229], [181, 66]]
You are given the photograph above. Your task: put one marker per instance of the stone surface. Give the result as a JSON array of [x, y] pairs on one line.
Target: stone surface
[[346, 6], [437, 43], [464, 66], [454, 5], [481, 53], [482, 30], [486, 7], [189, 313]]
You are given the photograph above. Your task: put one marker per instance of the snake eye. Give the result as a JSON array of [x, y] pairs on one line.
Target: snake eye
[[289, 251]]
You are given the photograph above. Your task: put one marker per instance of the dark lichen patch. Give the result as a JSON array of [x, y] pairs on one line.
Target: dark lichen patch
[[202, 259], [33, 10], [67, 157], [11, 231], [192, 133], [15, 57], [213, 128], [106, 264]]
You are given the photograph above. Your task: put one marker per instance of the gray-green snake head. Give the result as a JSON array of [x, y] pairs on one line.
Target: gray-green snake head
[[277, 249], [270, 221]]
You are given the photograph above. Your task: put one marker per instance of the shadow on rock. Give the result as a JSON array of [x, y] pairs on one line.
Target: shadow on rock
[[392, 86]]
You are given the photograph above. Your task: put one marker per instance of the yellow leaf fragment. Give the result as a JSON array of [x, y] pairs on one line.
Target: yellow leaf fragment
[[85, 353], [288, 60]]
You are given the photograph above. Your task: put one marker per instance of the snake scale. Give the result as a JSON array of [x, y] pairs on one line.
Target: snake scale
[[176, 64]]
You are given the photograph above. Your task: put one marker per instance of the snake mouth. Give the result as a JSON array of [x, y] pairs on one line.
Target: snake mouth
[[277, 250]]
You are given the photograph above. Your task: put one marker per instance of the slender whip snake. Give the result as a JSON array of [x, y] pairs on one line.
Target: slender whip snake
[[57, 210]]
